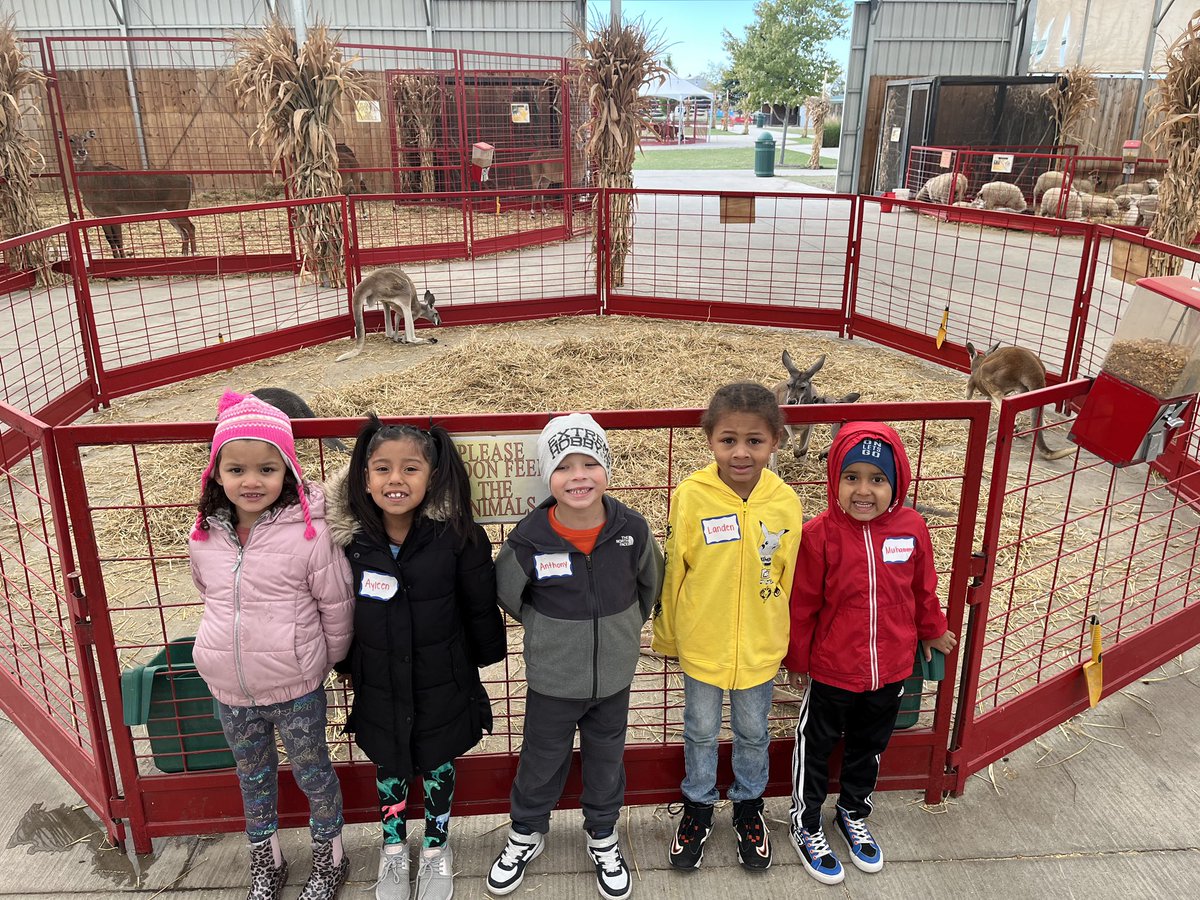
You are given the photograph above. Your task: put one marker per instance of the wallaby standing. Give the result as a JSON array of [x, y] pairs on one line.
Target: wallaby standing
[[125, 194], [398, 295], [294, 407], [352, 182], [1000, 372]]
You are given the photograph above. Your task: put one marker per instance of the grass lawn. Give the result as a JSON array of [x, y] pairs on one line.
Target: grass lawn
[[723, 158]]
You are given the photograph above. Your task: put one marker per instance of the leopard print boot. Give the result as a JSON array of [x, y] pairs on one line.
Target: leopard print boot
[[266, 881], [326, 879]]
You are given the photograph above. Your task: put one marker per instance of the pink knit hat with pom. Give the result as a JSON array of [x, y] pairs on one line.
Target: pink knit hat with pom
[[245, 417]]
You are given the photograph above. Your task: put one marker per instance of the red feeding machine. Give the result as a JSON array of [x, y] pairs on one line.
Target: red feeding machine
[[1150, 374], [481, 161]]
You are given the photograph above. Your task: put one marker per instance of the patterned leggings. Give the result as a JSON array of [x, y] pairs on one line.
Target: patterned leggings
[[393, 800], [250, 731]]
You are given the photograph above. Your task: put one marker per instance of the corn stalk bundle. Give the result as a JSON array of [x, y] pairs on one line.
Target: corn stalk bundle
[[418, 98], [299, 92], [618, 58], [818, 108], [1072, 97], [19, 157], [1176, 106]]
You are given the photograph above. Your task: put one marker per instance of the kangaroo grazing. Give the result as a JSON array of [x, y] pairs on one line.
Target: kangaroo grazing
[[294, 407], [398, 296], [352, 182], [125, 194], [1000, 372]]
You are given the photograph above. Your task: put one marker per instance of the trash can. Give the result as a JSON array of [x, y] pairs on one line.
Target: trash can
[[910, 701], [760, 120], [169, 697], [764, 155]]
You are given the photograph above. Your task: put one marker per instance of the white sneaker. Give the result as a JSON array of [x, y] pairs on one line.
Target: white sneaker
[[392, 881], [508, 870], [435, 873], [612, 873]]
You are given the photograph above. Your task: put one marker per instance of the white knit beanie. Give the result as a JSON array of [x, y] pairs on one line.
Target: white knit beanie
[[573, 433]]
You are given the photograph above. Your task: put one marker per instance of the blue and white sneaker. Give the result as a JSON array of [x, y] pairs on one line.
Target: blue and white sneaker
[[814, 852], [864, 851]]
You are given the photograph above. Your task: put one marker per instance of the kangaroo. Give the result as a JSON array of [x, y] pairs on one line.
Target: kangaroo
[[797, 390], [398, 295], [295, 408], [125, 193], [352, 182], [1000, 372]]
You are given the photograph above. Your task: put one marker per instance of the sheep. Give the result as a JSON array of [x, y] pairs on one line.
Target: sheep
[[1001, 195], [1129, 211], [1074, 204], [1149, 186], [1097, 205], [1147, 210], [938, 188], [1049, 180]]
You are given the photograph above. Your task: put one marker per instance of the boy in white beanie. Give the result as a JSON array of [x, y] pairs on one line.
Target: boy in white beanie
[[582, 573]]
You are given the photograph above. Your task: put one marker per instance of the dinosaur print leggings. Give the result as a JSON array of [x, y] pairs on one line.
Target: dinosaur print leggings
[[300, 724], [393, 800]]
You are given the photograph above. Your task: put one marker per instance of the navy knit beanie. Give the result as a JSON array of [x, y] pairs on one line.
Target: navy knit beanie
[[876, 452]]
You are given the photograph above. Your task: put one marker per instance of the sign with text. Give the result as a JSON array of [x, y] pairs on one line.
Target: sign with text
[[505, 481], [520, 113], [367, 111], [1002, 162]]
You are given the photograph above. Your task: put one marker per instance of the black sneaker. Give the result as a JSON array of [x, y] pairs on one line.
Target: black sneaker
[[754, 841], [687, 850]]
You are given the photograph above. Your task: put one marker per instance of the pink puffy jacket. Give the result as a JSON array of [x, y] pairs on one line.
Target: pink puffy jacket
[[278, 612]]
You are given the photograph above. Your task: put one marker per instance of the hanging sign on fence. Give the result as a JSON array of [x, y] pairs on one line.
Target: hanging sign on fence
[[895, 134], [505, 481], [520, 113], [947, 159], [366, 111], [1002, 162]]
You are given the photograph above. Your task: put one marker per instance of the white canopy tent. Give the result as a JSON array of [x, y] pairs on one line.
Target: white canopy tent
[[682, 91]]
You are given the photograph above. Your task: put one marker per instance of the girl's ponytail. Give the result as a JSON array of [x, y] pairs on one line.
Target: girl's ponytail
[[449, 494]]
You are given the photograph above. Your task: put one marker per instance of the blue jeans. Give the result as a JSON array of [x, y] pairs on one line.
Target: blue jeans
[[748, 711]]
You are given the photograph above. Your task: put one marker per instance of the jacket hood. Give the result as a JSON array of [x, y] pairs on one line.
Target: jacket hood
[[343, 526], [849, 435], [318, 505], [710, 478], [535, 530]]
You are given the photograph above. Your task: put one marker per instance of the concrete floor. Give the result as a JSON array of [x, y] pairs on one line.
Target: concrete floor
[[1102, 807]]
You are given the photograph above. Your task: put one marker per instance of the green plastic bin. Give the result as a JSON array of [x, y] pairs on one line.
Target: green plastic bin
[[760, 120], [168, 696], [914, 686], [764, 155]]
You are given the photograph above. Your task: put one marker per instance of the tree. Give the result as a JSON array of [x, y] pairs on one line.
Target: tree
[[725, 84], [782, 56]]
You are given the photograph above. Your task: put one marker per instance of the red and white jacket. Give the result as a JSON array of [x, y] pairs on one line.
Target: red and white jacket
[[864, 592]]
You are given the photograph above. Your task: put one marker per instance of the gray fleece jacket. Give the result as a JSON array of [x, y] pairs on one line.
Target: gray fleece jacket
[[583, 614]]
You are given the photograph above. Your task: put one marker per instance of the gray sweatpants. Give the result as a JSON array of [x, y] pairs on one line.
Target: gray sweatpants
[[550, 725]]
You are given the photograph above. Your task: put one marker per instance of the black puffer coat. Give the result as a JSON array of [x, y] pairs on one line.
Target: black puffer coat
[[418, 700]]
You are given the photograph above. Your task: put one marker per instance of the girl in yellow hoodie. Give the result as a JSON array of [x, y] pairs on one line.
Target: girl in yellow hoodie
[[732, 538]]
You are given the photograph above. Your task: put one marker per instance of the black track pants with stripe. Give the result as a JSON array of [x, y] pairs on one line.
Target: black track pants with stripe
[[866, 720]]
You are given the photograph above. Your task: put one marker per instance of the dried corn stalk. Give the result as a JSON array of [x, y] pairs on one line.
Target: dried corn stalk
[[20, 159], [299, 92], [1072, 97], [818, 108], [618, 59], [417, 99], [1175, 104]]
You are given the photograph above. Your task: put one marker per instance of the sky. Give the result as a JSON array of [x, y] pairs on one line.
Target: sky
[[692, 28]]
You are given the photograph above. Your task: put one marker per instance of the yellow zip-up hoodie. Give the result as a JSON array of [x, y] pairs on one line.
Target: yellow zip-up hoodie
[[730, 562]]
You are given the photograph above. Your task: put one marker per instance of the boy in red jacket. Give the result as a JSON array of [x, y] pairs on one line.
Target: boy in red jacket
[[865, 591]]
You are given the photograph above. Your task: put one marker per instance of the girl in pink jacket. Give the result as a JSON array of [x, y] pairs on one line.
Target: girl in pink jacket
[[277, 615]]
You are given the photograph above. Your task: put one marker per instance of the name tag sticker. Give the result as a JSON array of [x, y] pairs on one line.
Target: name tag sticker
[[552, 565], [898, 549], [721, 530], [379, 585]]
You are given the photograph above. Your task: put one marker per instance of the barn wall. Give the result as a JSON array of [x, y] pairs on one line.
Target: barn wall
[[911, 38], [512, 26]]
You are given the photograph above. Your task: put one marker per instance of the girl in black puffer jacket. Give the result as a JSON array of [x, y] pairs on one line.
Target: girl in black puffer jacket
[[425, 620]]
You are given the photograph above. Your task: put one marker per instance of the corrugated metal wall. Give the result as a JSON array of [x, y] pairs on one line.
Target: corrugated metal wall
[[903, 38], [511, 26]]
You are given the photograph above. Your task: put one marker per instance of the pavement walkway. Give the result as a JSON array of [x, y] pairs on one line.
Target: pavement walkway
[[1102, 807]]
